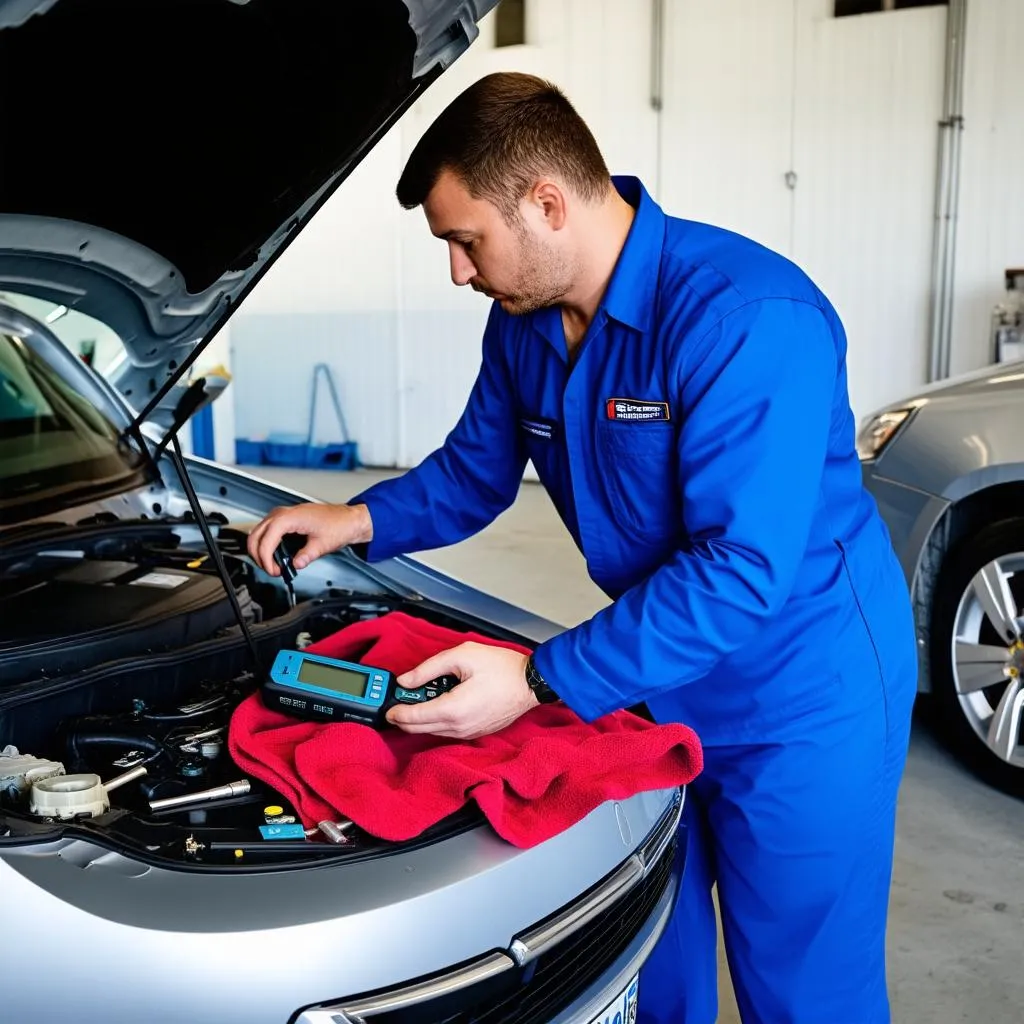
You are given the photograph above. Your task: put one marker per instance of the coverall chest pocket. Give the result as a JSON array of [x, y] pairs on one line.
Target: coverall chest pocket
[[639, 471]]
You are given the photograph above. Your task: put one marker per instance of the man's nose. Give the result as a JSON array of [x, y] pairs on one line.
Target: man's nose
[[463, 269]]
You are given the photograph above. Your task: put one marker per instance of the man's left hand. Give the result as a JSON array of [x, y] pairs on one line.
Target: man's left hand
[[493, 693]]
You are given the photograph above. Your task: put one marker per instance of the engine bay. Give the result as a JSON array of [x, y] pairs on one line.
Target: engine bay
[[110, 595], [115, 706]]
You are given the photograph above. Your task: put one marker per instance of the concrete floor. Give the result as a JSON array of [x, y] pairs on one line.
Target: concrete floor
[[956, 937]]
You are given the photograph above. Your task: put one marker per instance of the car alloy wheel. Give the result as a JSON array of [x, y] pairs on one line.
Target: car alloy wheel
[[989, 677], [977, 652]]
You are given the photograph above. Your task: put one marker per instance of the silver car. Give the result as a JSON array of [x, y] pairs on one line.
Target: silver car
[[151, 194], [946, 467]]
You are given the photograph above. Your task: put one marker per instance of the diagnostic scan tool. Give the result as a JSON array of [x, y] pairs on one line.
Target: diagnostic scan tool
[[329, 690]]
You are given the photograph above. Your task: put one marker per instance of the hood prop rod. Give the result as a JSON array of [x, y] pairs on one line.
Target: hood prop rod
[[169, 444], [174, 454]]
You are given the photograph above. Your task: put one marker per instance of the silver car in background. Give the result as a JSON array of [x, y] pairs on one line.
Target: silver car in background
[[946, 466]]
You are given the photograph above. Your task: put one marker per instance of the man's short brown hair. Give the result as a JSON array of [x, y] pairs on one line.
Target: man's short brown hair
[[499, 136]]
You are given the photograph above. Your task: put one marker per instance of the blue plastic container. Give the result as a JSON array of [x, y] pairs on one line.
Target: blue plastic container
[[297, 450], [285, 450], [248, 453]]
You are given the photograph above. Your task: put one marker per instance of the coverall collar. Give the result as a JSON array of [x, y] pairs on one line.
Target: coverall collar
[[632, 289]]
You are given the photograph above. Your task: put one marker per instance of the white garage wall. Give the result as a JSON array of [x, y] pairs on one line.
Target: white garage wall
[[727, 129], [991, 222], [868, 101], [850, 106], [752, 89]]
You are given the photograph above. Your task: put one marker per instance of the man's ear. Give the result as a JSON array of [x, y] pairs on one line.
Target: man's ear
[[548, 200]]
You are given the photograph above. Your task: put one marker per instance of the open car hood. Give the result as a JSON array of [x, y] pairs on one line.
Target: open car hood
[[159, 156]]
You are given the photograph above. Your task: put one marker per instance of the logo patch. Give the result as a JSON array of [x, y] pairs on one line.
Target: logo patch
[[635, 410], [544, 429]]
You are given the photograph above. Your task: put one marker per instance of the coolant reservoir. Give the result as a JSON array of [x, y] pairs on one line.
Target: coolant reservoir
[[65, 796]]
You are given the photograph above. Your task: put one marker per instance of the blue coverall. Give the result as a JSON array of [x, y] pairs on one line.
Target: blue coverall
[[700, 450]]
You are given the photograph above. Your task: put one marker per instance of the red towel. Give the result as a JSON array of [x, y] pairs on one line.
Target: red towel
[[532, 780]]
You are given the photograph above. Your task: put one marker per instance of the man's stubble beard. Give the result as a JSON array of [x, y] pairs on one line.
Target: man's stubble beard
[[545, 277]]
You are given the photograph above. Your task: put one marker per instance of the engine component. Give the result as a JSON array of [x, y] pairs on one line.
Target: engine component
[[67, 796], [279, 846], [211, 749], [193, 846], [191, 768], [88, 733], [18, 772], [335, 830], [281, 832], [274, 815], [58, 618], [131, 759], [147, 740], [206, 743], [129, 776], [225, 792], [283, 558], [181, 714]]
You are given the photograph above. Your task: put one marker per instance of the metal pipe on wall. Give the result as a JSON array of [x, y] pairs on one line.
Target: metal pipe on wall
[[959, 9], [658, 84], [657, 54], [947, 195]]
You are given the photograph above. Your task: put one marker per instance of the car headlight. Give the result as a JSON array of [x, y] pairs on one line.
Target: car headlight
[[877, 431]]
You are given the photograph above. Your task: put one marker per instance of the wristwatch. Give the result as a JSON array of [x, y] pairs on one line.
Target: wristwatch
[[535, 681]]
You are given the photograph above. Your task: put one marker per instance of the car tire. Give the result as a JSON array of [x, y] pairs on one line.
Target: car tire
[[977, 653]]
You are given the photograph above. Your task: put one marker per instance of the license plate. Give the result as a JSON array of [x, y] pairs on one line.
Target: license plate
[[622, 1009]]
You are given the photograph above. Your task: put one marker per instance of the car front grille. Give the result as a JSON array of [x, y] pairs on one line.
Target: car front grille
[[547, 967], [536, 991], [562, 974]]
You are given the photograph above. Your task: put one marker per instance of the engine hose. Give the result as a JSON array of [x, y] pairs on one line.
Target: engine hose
[[77, 740], [183, 716]]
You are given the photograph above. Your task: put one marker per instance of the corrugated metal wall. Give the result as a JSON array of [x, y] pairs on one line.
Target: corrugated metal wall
[[752, 89]]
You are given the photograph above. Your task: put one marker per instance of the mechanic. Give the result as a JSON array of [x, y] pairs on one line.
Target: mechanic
[[682, 393]]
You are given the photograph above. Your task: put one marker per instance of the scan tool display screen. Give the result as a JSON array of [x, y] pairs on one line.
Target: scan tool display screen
[[323, 689], [330, 677]]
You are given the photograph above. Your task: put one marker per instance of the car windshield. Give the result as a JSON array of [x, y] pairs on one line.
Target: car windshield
[[53, 443], [85, 337]]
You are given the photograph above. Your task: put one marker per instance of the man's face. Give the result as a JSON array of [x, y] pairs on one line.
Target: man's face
[[518, 265]]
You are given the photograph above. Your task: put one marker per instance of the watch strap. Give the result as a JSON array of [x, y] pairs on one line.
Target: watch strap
[[537, 683]]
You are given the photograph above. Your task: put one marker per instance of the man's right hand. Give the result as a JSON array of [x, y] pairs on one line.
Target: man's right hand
[[326, 528]]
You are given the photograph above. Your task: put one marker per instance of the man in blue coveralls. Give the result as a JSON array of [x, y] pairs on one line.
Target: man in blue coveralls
[[682, 393]]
